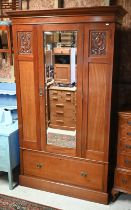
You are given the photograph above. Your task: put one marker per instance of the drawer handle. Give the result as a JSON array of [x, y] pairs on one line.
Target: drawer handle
[[60, 121], [124, 181], [83, 173], [39, 165], [128, 146], [127, 161], [68, 99], [129, 122], [60, 105], [58, 112], [54, 98], [129, 133]]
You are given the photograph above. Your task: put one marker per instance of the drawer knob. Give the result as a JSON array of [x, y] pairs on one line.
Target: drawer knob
[[129, 122], [54, 98], [83, 173], [127, 161], [68, 99], [124, 181], [129, 133], [59, 105], [128, 146], [39, 165], [59, 112], [59, 121]]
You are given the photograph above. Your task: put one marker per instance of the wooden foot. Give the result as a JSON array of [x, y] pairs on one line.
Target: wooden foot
[[114, 194]]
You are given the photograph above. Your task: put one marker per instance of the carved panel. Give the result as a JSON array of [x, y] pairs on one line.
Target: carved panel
[[97, 43], [25, 42]]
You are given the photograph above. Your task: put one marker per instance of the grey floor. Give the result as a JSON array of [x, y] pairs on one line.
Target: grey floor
[[62, 202]]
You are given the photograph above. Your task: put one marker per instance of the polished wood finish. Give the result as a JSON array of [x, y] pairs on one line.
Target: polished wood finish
[[69, 190], [81, 172], [62, 107], [123, 168]]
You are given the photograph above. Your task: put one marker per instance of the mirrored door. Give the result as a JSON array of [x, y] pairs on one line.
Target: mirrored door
[[61, 87]]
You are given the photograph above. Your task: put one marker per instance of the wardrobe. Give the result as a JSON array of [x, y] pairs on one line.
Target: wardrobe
[[71, 155]]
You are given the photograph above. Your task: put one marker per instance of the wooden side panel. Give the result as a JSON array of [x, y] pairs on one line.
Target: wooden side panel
[[96, 107], [27, 87], [97, 87]]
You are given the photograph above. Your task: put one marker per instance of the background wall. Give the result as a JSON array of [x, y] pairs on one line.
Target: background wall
[[125, 55], [83, 3], [41, 4]]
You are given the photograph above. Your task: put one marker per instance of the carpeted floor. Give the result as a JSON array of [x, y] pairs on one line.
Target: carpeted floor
[[11, 203]]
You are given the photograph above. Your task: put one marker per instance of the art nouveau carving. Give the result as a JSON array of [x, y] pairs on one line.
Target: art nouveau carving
[[98, 43], [24, 40]]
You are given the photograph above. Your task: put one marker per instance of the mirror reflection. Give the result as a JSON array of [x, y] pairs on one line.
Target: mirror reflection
[[60, 59]]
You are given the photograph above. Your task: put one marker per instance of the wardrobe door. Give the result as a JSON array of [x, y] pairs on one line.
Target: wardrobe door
[[97, 83], [25, 47], [60, 65]]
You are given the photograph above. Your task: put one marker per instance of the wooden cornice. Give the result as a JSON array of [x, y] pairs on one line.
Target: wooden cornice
[[90, 11]]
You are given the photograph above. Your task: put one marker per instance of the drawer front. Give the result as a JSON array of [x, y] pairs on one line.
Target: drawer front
[[64, 170], [63, 113], [123, 181], [124, 161], [125, 146], [125, 132], [125, 121], [125, 127], [63, 121], [62, 107], [66, 101]]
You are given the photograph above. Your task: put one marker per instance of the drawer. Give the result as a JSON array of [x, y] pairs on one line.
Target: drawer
[[124, 161], [125, 146], [62, 107], [125, 120], [64, 170], [125, 132], [125, 127], [64, 113], [123, 181], [63, 121]]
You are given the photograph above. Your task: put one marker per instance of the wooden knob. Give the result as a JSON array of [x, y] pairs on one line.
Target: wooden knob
[[83, 173], [39, 165]]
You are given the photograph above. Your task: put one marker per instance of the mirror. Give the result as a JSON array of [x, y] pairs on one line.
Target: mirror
[[60, 57]]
